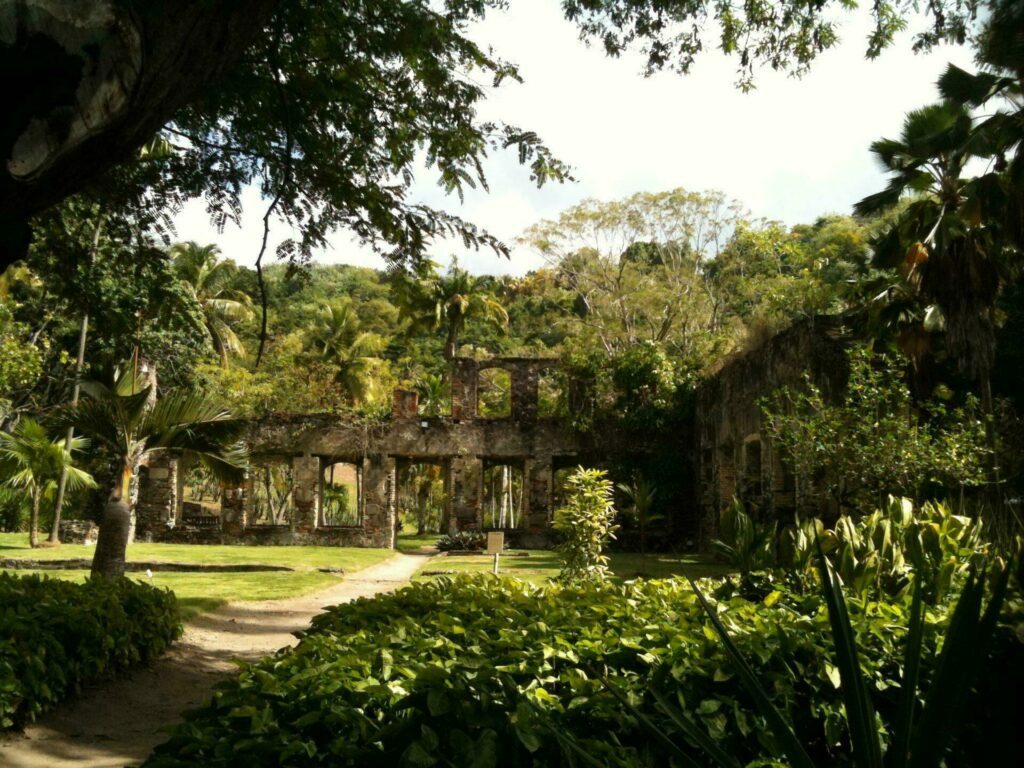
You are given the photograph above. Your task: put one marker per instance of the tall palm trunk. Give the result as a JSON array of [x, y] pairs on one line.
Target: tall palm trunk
[[58, 504], [451, 343], [115, 529], [33, 521]]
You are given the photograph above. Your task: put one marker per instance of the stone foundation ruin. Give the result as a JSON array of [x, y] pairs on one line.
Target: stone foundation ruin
[[291, 454], [732, 457], [300, 463]]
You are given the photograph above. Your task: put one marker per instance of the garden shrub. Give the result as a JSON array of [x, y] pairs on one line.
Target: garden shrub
[[484, 671], [586, 523], [56, 635], [877, 441], [462, 540]]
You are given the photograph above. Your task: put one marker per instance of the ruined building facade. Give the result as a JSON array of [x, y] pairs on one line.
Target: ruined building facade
[[463, 445], [725, 453], [733, 457]]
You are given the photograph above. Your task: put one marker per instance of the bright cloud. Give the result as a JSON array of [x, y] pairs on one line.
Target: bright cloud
[[792, 150]]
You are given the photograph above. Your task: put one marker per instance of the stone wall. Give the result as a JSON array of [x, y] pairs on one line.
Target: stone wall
[[158, 493], [78, 532], [463, 443], [524, 374], [733, 458], [405, 404]]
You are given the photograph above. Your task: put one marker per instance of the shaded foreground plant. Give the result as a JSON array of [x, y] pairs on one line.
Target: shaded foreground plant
[[744, 544], [57, 635], [921, 734], [641, 494]]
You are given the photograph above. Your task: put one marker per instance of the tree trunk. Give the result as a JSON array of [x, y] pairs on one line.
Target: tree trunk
[[33, 521], [1000, 520], [145, 62], [451, 342], [112, 543], [83, 332]]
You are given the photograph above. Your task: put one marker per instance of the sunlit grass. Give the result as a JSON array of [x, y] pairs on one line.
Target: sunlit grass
[[412, 542], [538, 566], [203, 592], [349, 559]]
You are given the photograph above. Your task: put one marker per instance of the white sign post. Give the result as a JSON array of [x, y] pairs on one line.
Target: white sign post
[[495, 545]]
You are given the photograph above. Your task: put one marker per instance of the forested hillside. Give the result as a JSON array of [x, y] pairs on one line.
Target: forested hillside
[[649, 290]]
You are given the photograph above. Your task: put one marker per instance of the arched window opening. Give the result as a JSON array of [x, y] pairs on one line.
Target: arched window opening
[[272, 485], [551, 398], [423, 496], [199, 494], [341, 495], [504, 496], [494, 394]]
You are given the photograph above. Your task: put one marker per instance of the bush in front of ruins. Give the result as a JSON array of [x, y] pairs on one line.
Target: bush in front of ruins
[[585, 524], [462, 541], [56, 635]]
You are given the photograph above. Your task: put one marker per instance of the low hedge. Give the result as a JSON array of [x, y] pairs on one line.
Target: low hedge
[[56, 635], [481, 671]]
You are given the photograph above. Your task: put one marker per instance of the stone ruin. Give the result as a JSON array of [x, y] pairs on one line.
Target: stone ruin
[[724, 452], [732, 456], [463, 444]]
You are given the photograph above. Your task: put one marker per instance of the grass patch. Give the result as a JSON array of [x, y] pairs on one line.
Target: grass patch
[[412, 542], [350, 559], [632, 565], [203, 592], [541, 565], [537, 567]]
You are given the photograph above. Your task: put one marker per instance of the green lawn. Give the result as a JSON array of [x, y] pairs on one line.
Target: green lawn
[[411, 542], [539, 565], [202, 592], [349, 559], [631, 565]]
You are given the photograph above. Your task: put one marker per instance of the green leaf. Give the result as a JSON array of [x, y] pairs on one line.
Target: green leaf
[[788, 742], [860, 713]]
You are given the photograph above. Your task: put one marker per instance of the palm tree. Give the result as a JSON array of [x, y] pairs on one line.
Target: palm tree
[[435, 302], [126, 422], [337, 338], [641, 494], [955, 240], [208, 279], [434, 394], [946, 250], [35, 462]]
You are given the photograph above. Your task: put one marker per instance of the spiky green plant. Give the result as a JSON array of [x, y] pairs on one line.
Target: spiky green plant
[[127, 422], [921, 734], [33, 461]]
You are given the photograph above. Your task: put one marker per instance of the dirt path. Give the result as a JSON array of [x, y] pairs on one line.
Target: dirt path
[[118, 723]]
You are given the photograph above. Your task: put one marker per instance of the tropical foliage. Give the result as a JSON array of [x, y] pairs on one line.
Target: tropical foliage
[[585, 523], [433, 674], [57, 636], [34, 462], [126, 421], [209, 281], [876, 440]]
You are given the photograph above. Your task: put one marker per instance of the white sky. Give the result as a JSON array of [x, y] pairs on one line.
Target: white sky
[[792, 150]]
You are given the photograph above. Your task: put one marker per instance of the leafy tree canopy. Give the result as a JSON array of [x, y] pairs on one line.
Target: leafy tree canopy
[[326, 107]]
